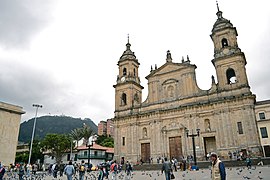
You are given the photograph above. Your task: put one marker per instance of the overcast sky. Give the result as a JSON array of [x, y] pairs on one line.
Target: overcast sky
[[63, 54]]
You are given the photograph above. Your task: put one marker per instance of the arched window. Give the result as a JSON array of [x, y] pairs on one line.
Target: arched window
[[134, 71], [224, 42], [124, 71], [124, 99], [144, 132], [231, 77]]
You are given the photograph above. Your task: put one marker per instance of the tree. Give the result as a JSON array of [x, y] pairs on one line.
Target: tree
[[87, 132], [76, 134], [37, 151], [56, 145], [105, 141]]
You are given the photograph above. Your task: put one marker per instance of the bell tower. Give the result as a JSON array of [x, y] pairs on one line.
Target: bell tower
[[228, 60], [128, 91]]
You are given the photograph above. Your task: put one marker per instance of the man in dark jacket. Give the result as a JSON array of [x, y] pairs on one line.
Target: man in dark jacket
[[167, 168]]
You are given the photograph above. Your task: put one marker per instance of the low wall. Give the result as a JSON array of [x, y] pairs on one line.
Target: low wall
[[204, 164]]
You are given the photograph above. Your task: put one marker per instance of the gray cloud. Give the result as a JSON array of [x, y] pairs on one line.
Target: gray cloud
[[23, 85], [21, 20]]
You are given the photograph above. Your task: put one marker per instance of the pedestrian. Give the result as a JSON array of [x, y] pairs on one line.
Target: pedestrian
[[61, 168], [101, 173], [82, 170], [128, 170], [21, 172], [167, 169], [55, 170], [218, 168], [114, 169], [34, 169], [69, 170], [2, 171], [248, 161]]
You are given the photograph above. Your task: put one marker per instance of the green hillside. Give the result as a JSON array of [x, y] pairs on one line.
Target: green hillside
[[52, 124]]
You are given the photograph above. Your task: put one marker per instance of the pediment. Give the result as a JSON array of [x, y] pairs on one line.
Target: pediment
[[167, 68]]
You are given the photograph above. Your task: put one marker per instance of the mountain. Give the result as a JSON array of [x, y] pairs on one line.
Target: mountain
[[52, 124]]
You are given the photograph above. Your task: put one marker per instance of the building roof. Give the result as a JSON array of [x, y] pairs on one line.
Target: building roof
[[110, 150], [97, 147], [263, 102]]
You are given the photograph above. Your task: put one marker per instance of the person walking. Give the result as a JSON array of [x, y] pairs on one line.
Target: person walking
[[101, 173], [82, 170], [218, 168], [167, 169], [69, 170], [21, 171], [128, 170], [114, 169], [248, 161], [2, 171]]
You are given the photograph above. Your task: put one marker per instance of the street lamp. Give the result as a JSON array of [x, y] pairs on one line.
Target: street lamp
[[33, 131], [193, 142], [90, 143]]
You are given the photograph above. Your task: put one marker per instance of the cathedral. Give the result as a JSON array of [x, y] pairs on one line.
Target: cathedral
[[178, 118]]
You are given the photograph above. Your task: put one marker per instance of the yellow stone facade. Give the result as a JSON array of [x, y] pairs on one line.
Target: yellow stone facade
[[10, 118], [262, 111], [157, 127]]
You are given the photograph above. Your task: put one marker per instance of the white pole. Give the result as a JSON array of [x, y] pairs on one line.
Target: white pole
[[33, 131]]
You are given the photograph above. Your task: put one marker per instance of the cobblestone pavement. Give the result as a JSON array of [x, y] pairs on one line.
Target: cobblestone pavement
[[236, 173]]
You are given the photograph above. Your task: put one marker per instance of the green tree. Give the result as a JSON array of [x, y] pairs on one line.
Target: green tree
[[37, 151], [87, 132], [22, 157], [76, 134], [105, 141], [56, 145]]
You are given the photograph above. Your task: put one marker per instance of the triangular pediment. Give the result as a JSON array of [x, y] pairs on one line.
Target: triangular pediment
[[169, 67]]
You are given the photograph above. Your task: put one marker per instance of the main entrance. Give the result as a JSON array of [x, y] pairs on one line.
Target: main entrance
[[175, 146], [145, 152], [210, 144]]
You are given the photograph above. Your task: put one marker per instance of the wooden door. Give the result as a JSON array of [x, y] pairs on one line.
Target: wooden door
[[210, 145], [267, 151], [175, 146], [145, 152]]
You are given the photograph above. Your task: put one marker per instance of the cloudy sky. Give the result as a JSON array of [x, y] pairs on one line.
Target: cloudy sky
[[63, 54]]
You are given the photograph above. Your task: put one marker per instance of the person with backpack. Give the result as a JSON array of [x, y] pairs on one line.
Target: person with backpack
[[81, 170], [218, 168], [114, 169]]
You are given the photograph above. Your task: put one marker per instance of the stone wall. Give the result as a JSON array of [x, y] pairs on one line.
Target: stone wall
[[10, 118]]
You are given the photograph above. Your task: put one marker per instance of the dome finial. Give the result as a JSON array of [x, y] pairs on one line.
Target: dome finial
[[217, 6], [128, 44], [128, 38], [219, 13]]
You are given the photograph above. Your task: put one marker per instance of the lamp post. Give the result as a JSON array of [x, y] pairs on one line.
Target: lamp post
[[33, 131], [90, 143], [193, 143]]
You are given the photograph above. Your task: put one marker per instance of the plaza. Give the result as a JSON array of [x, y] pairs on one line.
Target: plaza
[[235, 173]]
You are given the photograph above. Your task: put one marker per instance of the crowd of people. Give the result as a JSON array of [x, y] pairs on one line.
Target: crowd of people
[[69, 170]]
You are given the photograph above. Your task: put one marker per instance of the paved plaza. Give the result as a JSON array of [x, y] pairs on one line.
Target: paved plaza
[[235, 173]]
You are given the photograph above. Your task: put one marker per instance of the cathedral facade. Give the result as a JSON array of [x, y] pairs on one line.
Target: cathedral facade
[[221, 119]]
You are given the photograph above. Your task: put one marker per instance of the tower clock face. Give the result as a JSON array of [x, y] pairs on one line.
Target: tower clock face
[[123, 79]]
